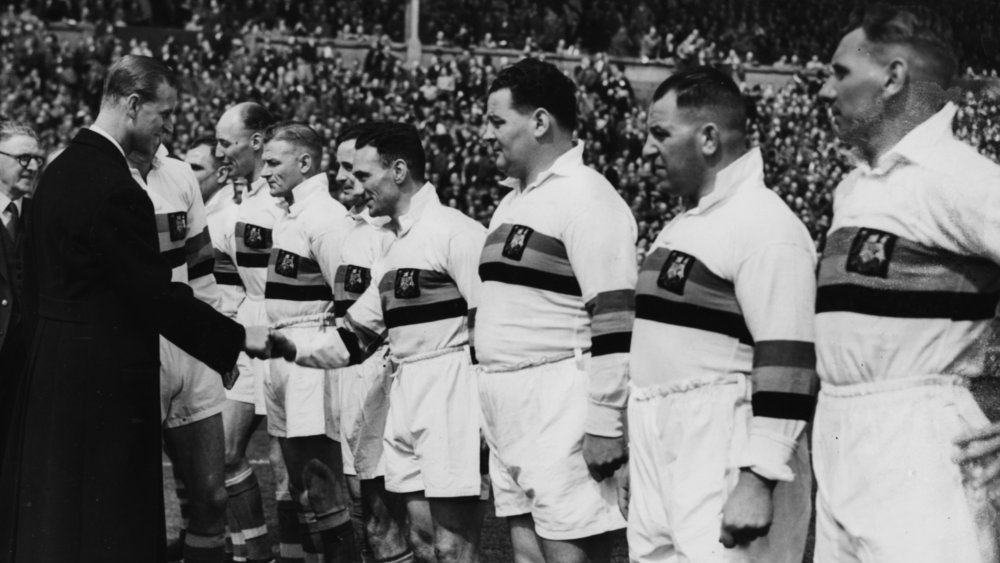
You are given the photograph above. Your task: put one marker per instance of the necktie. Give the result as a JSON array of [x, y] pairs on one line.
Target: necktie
[[12, 220]]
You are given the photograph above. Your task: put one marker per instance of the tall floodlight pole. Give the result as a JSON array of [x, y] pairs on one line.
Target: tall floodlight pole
[[413, 46]]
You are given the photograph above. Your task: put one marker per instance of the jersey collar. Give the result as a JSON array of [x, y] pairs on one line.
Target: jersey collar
[[302, 193], [745, 170], [425, 197], [563, 166], [918, 145]]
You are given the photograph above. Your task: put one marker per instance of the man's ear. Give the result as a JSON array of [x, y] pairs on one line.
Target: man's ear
[[896, 74], [541, 122], [132, 103], [306, 163], [399, 170], [257, 141], [709, 139]]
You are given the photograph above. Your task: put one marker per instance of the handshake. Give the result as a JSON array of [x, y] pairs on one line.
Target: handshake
[[265, 343]]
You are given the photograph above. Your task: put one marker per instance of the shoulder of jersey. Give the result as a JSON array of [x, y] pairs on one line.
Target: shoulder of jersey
[[764, 213], [447, 218]]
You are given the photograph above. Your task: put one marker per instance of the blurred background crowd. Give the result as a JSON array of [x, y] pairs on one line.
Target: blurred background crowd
[[242, 53]]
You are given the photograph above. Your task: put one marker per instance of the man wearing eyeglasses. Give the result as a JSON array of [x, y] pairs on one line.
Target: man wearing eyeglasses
[[20, 162]]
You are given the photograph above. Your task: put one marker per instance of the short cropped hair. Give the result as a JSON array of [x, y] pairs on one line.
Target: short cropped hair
[[708, 91], [298, 134], [396, 141], [536, 84], [255, 117], [919, 28], [12, 128], [352, 132], [139, 75]]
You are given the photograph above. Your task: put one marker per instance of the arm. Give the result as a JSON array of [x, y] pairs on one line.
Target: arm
[[125, 237], [603, 260], [462, 264], [200, 255]]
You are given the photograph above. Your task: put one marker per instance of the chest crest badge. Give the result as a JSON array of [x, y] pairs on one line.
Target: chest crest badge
[[287, 264], [675, 271], [871, 252], [357, 279], [407, 283], [253, 237], [517, 241], [178, 224]]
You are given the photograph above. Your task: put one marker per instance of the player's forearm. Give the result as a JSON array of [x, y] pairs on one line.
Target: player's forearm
[[612, 316]]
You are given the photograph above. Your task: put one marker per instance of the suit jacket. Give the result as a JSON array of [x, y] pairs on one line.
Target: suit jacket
[[10, 251], [83, 481], [13, 341]]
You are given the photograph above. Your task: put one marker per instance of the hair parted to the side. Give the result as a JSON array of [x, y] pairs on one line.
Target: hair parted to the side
[[255, 117], [922, 29], [396, 141], [298, 134], [13, 128], [537, 84], [139, 75], [709, 91], [352, 132]]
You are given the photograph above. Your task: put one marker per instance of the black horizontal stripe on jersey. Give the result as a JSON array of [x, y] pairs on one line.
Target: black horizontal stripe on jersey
[[430, 312], [203, 268], [340, 307], [228, 278], [784, 353], [788, 406], [252, 259], [297, 292], [652, 308], [175, 257], [613, 343], [529, 277], [906, 304]]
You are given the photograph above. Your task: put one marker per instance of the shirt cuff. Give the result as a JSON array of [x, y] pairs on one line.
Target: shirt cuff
[[605, 421], [767, 455], [323, 351]]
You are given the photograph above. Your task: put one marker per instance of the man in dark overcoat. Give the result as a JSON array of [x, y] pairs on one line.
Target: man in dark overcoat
[[81, 480]]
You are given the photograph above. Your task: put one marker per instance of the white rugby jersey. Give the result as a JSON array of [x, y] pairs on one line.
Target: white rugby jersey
[[366, 242], [423, 290], [181, 224], [306, 252], [252, 236], [910, 278], [558, 272], [728, 288], [222, 210]]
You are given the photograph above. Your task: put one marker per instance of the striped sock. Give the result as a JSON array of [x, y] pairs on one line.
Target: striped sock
[[338, 542], [312, 544], [289, 533], [201, 548], [246, 514], [405, 557]]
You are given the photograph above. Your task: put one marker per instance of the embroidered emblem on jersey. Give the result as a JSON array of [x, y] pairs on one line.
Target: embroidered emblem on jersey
[[407, 283], [287, 264], [178, 224], [358, 279], [253, 237], [673, 276], [870, 253], [517, 241]]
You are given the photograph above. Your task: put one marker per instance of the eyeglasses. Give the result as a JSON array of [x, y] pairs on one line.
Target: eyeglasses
[[25, 160]]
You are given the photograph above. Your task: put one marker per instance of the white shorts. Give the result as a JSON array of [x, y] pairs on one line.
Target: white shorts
[[249, 388], [685, 441], [364, 396], [888, 490], [297, 403], [189, 390], [432, 432], [534, 423]]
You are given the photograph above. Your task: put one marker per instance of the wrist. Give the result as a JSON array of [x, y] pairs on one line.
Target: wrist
[[749, 476]]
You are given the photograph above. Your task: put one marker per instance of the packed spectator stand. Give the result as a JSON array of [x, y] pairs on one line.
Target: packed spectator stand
[[56, 86]]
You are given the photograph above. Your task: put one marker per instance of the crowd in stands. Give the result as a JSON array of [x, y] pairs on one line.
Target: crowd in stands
[[56, 87]]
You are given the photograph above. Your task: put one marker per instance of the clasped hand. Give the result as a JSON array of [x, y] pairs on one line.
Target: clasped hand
[[264, 343]]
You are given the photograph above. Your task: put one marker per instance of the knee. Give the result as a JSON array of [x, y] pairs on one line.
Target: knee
[[235, 462], [448, 549]]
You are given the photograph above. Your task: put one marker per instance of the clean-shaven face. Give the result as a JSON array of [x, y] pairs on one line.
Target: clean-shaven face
[[854, 88], [508, 132], [282, 170], [672, 147], [377, 182], [17, 180]]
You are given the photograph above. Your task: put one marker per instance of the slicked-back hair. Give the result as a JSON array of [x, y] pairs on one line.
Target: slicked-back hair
[[926, 32], [139, 75], [255, 117], [708, 91], [298, 134], [11, 128], [396, 141], [352, 132], [536, 84]]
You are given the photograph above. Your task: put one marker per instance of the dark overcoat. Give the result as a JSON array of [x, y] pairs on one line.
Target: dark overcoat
[[83, 480]]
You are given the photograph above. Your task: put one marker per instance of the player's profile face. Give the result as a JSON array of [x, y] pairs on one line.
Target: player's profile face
[[282, 167], [672, 147], [154, 119], [233, 145], [854, 88], [351, 195], [508, 132], [376, 181]]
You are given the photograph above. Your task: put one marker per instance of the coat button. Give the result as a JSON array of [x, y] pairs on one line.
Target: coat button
[[3, 303]]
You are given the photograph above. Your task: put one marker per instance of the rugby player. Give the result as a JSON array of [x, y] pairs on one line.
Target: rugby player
[[906, 304], [722, 358]]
